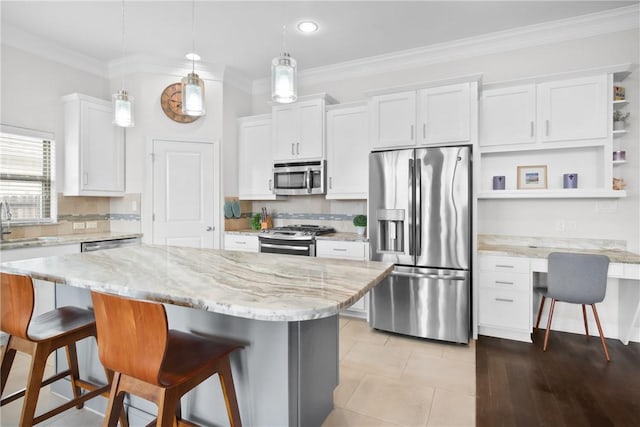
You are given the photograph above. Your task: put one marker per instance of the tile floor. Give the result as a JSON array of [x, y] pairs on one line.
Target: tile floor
[[385, 380]]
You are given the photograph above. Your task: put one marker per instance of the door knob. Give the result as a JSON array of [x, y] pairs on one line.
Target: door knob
[[209, 228]]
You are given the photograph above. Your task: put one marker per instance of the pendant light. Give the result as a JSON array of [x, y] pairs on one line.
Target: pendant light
[[284, 85], [192, 85], [122, 102]]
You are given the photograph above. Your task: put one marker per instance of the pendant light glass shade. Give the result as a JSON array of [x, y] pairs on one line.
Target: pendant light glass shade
[[193, 95], [193, 86], [284, 85], [122, 102], [123, 109]]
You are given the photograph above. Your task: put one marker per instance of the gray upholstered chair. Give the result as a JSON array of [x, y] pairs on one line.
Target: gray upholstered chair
[[577, 279]]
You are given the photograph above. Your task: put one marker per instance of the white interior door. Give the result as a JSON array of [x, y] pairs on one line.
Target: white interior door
[[183, 194]]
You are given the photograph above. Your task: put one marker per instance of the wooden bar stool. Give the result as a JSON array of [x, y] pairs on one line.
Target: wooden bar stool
[[155, 363], [39, 337]]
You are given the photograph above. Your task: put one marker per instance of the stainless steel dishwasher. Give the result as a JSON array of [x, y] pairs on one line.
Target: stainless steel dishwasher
[[99, 245]]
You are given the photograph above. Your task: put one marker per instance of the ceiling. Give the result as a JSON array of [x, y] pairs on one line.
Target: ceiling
[[246, 35]]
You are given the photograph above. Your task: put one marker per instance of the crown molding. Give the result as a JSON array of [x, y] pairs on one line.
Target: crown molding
[[22, 40], [41, 47], [134, 64], [611, 21]]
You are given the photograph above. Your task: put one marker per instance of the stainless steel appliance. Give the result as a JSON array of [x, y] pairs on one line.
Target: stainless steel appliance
[[292, 239], [419, 219], [299, 178], [99, 245]]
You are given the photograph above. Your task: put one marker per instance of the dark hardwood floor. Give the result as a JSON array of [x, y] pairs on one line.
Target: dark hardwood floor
[[571, 384]]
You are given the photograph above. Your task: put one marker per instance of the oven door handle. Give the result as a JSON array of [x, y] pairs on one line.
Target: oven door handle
[[289, 247]]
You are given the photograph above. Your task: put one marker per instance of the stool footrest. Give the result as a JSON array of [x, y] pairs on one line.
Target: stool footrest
[[20, 393], [70, 404]]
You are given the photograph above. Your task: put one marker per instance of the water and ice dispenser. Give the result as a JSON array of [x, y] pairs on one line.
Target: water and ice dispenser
[[390, 230]]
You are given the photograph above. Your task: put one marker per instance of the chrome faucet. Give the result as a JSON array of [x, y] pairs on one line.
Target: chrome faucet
[[7, 210]]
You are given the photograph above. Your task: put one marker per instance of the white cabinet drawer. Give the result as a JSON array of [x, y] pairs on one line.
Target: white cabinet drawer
[[505, 280], [504, 263], [240, 242], [504, 308], [340, 249]]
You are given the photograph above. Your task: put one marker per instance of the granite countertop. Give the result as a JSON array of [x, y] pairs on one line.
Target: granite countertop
[[252, 285], [615, 255], [31, 242], [346, 237]]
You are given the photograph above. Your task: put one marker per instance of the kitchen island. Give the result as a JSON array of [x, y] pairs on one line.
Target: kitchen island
[[284, 308]]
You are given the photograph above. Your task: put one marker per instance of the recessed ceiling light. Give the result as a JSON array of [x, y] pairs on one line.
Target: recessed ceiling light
[[307, 27], [192, 56]]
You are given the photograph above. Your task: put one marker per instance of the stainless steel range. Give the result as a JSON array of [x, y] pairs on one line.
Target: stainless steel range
[[292, 239]]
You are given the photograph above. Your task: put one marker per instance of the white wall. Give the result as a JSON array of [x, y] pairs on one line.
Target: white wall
[[31, 91], [617, 219]]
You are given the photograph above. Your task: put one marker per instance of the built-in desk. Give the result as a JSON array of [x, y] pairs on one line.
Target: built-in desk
[[509, 272]]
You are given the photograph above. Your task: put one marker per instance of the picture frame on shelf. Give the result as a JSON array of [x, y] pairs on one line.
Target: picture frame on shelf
[[532, 177]]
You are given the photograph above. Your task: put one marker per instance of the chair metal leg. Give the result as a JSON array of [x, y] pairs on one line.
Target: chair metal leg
[[604, 343], [546, 335], [540, 312], [584, 316]]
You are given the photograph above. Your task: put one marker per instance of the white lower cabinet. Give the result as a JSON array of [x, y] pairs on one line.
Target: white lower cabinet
[[357, 251], [240, 242], [504, 302]]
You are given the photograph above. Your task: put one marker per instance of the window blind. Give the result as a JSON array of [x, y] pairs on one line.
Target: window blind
[[27, 177]]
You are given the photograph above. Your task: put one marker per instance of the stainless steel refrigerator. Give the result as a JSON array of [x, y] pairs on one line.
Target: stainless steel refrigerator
[[419, 219]]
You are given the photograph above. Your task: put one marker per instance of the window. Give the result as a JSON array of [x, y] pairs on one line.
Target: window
[[27, 174]]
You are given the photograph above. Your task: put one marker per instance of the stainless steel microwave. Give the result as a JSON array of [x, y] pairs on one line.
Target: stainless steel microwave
[[299, 178]]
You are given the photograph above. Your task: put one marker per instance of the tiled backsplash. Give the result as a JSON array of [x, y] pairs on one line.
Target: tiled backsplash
[[89, 214], [313, 210]]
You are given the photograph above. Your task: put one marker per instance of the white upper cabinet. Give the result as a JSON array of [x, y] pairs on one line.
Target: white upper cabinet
[[94, 148], [443, 114], [393, 119], [573, 109], [255, 179], [348, 152], [298, 131], [432, 116], [508, 116]]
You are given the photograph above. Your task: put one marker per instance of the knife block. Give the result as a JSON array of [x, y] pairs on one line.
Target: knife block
[[265, 225]]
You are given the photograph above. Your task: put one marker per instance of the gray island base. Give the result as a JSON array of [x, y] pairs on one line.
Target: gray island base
[[284, 308]]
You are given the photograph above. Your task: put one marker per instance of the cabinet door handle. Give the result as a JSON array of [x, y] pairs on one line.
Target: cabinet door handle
[[412, 132], [240, 243], [503, 266], [532, 129], [547, 127], [292, 145], [85, 178], [504, 300], [340, 249], [297, 148], [270, 184], [330, 182], [501, 282], [424, 131]]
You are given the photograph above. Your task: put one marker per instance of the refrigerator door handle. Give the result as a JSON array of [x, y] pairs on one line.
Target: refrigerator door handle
[[418, 170], [427, 276], [411, 216]]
